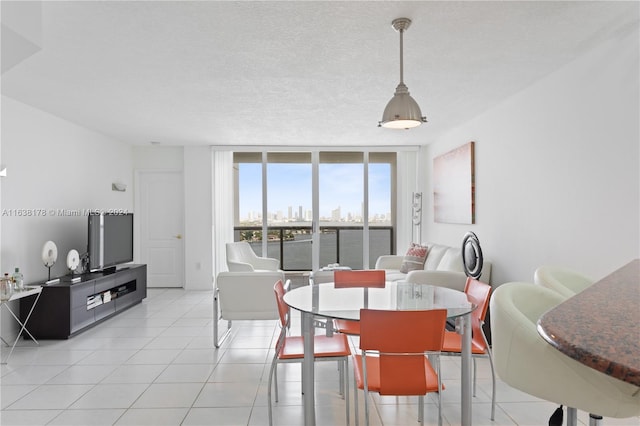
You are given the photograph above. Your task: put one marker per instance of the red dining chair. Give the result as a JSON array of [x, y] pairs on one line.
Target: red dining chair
[[291, 349], [394, 360], [372, 278], [479, 294]]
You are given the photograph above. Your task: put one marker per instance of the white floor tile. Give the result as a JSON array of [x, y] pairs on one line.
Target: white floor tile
[[153, 416], [82, 374], [135, 373], [12, 393], [199, 356], [245, 356], [111, 396], [169, 395], [48, 397], [186, 373], [120, 343], [101, 357], [87, 417], [227, 395], [154, 356], [32, 374], [27, 417], [218, 416], [239, 373]]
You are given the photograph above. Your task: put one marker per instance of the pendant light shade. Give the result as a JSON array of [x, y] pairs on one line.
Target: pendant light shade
[[402, 111]]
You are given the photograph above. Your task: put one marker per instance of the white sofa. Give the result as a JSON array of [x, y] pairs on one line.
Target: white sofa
[[442, 267]]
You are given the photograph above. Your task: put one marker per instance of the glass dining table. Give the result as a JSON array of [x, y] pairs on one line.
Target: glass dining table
[[324, 300]]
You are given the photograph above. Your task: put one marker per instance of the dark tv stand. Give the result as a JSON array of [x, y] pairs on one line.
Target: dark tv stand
[[110, 270], [68, 308]]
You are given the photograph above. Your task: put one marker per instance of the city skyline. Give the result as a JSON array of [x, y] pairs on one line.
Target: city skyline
[[293, 215], [341, 188]]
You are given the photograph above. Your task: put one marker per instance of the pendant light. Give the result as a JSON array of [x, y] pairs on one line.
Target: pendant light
[[402, 111]]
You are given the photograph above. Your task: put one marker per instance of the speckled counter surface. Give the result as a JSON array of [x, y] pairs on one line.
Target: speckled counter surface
[[600, 327]]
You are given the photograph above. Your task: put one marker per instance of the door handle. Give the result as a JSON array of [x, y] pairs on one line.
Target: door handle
[[179, 236]]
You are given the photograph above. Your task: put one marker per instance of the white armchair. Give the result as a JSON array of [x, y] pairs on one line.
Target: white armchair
[[527, 362], [241, 257], [563, 281], [243, 296]]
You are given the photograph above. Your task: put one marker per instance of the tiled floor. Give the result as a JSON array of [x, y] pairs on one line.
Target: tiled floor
[[155, 364]]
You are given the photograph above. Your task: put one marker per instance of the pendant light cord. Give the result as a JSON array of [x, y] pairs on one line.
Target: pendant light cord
[[401, 57]]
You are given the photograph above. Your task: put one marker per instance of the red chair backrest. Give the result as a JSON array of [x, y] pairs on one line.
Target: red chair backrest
[[365, 278], [402, 333], [479, 294], [283, 308]]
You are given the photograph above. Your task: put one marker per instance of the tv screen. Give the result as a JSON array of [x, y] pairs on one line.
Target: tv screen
[[110, 240]]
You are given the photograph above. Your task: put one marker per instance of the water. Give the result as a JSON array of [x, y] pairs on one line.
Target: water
[[297, 253]]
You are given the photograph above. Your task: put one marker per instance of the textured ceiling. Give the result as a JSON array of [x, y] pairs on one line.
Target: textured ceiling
[[289, 73]]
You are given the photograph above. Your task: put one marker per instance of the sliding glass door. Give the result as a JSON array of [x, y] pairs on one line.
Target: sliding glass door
[[342, 208], [289, 209], [316, 207]]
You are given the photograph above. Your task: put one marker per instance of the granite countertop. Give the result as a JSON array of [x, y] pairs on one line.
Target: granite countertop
[[600, 326]]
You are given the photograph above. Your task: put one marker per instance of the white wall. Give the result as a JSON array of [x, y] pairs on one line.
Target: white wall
[[158, 158], [557, 170], [198, 218], [54, 168]]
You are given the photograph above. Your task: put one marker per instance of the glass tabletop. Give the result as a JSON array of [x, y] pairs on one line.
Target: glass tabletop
[[345, 303]]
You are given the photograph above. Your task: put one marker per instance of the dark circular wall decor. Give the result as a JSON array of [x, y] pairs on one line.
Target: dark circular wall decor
[[472, 255]]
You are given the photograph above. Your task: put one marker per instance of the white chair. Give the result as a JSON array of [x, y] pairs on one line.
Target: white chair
[[563, 281], [241, 257], [243, 296], [525, 361]]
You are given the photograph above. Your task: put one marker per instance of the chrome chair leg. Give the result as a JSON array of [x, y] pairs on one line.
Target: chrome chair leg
[[595, 420], [493, 386], [475, 373], [217, 341], [346, 389], [355, 398], [439, 371], [272, 372], [572, 416]]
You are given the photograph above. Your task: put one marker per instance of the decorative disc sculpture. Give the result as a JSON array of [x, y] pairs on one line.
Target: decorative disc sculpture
[[49, 255], [73, 260], [472, 255]]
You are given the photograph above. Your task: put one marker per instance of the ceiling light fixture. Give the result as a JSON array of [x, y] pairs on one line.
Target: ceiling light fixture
[[402, 111]]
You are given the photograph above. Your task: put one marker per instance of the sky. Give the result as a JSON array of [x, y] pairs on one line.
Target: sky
[[341, 185]]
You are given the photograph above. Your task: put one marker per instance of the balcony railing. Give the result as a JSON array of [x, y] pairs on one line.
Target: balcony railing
[[338, 244]]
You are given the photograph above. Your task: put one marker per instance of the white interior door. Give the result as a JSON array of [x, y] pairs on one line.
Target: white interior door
[[161, 227]]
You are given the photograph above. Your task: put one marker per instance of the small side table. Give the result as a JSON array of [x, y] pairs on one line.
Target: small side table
[[28, 291], [335, 267]]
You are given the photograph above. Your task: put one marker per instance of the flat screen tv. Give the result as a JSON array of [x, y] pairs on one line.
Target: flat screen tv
[[110, 240]]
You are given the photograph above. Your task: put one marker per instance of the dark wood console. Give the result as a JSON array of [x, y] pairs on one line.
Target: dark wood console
[[67, 308]]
